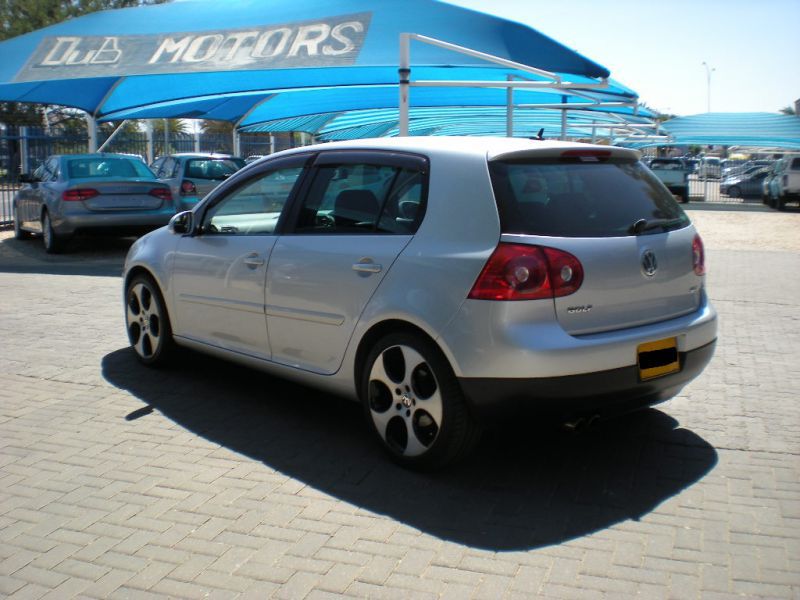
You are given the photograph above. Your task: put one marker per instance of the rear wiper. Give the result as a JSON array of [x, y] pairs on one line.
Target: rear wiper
[[643, 225]]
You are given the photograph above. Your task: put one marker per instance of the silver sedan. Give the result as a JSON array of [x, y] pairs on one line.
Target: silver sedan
[[438, 281], [90, 193]]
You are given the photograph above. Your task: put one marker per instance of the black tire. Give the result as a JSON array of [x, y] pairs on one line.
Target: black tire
[[780, 203], [147, 322], [19, 232], [406, 384], [53, 243], [734, 192]]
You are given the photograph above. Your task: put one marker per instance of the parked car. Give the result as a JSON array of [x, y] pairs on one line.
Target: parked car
[[192, 176], [440, 281], [673, 173], [747, 184], [90, 193], [709, 168], [784, 185]]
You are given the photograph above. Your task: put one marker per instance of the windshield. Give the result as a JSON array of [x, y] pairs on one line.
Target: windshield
[[212, 168], [80, 168], [582, 199]]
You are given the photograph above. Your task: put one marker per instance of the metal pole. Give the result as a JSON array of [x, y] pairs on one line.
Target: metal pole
[[404, 73], [709, 71], [271, 144], [196, 140], [563, 119], [148, 131], [91, 123], [112, 136], [166, 137], [237, 150], [509, 109], [24, 160]]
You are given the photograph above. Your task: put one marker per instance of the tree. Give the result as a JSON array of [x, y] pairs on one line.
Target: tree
[[173, 126], [788, 110], [23, 16], [18, 17]]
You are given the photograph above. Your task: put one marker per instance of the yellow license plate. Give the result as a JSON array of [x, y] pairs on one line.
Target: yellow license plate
[[659, 358]]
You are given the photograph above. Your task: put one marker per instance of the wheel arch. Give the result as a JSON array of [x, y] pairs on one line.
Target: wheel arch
[[142, 270]]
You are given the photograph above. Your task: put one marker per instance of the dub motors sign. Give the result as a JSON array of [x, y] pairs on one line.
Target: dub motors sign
[[334, 41]]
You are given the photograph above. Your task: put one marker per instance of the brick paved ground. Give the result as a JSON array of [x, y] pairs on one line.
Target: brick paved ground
[[209, 480]]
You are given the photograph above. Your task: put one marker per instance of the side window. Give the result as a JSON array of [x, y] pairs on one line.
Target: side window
[[254, 208], [165, 170], [50, 170], [156, 166], [362, 198]]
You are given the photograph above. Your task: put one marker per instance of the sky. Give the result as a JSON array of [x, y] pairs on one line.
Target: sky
[[657, 47]]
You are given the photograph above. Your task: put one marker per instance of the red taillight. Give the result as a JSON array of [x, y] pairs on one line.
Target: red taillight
[[698, 256], [188, 188], [79, 194], [162, 193], [522, 272]]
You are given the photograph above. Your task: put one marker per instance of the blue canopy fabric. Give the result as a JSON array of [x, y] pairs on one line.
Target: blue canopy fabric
[[759, 130], [469, 120], [248, 61]]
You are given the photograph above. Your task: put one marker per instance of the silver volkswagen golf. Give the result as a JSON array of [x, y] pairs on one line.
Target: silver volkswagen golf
[[438, 281]]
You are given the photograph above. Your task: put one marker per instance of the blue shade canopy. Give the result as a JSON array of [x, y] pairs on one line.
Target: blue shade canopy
[[221, 60], [759, 130], [451, 121]]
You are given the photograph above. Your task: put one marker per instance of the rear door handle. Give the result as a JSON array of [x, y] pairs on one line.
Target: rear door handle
[[253, 260], [365, 265]]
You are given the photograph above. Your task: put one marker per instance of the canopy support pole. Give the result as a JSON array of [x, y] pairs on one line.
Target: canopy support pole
[[91, 123], [112, 136], [24, 159], [563, 119], [166, 136], [509, 108], [404, 73], [148, 132]]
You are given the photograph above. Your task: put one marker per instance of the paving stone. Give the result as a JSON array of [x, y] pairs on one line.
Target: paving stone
[[118, 481]]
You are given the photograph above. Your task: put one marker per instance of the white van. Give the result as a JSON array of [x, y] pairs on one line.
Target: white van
[[786, 181], [710, 168]]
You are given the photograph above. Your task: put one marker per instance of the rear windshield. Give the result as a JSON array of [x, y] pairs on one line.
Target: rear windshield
[[213, 168], [79, 168], [581, 199]]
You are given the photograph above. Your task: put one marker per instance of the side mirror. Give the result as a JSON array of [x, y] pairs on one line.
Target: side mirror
[[182, 223]]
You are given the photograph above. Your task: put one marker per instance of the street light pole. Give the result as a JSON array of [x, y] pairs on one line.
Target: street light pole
[[709, 71]]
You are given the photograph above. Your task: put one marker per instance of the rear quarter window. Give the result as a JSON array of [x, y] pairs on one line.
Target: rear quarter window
[[573, 198]]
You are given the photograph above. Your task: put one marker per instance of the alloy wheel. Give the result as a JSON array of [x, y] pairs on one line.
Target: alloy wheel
[[144, 320], [405, 401]]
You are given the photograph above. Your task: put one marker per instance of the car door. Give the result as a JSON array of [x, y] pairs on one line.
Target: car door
[[347, 230], [219, 273]]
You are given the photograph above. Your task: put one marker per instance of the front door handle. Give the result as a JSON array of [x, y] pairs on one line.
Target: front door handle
[[253, 260], [365, 265]]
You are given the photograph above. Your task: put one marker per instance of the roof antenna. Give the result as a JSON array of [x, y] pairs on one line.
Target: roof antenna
[[540, 135]]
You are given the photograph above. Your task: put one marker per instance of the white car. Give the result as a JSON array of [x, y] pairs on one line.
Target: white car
[[438, 281]]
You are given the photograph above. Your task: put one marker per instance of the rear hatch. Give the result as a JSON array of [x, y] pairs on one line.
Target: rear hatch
[[634, 242], [122, 194]]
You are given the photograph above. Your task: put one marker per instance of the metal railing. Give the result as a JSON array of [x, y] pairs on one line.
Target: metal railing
[[23, 151]]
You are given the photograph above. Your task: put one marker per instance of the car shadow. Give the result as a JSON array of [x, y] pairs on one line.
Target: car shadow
[[526, 486], [94, 256]]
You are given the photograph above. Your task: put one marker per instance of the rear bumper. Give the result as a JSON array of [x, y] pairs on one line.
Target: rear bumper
[[603, 392], [110, 222]]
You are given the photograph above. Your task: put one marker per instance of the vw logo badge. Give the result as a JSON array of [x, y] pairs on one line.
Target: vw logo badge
[[649, 263]]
